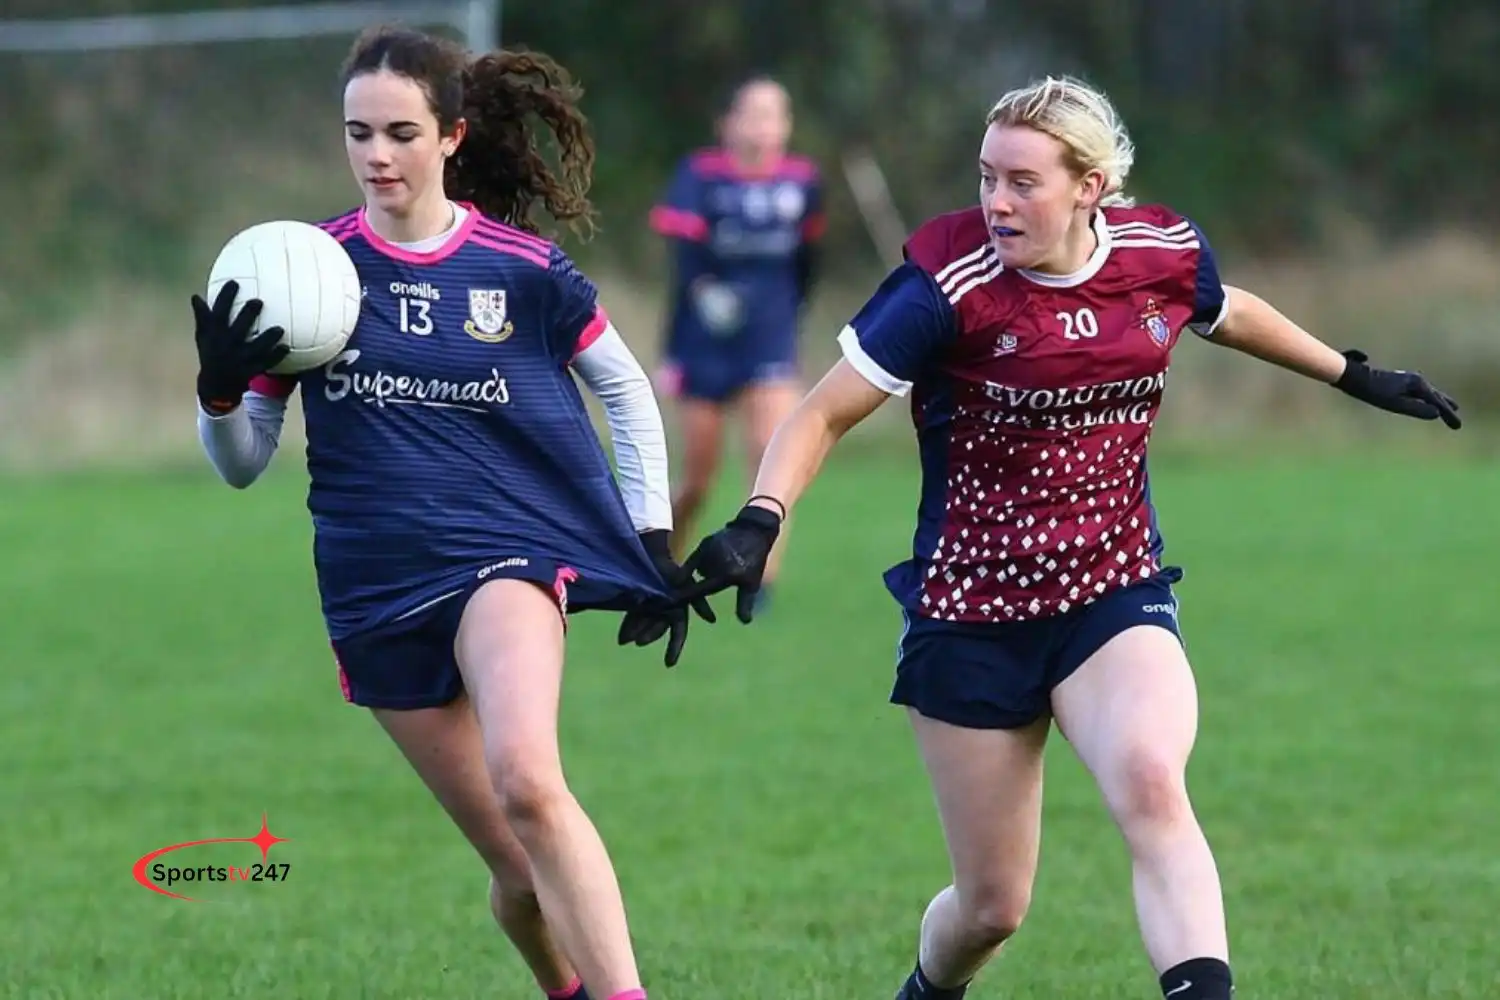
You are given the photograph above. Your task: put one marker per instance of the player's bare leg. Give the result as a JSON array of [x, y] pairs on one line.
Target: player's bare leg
[[1131, 713], [510, 650], [765, 406], [444, 746], [701, 425], [988, 785]]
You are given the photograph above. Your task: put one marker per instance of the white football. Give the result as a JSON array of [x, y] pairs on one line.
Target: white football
[[306, 283]]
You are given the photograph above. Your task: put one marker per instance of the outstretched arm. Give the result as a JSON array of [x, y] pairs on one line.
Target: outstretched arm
[[735, 556], [1255, 327], [840, 400], [886, 348]]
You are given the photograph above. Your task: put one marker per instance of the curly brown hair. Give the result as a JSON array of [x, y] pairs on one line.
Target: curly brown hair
[[500, 166]]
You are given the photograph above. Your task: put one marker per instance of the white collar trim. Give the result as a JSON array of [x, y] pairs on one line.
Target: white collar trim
[[1088, 270]]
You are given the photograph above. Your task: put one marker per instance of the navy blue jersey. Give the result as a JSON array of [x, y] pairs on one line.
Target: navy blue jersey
[[449, 435], [737, 237]]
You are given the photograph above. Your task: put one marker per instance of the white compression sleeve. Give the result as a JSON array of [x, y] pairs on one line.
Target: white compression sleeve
[[613, 374], [241, 443]]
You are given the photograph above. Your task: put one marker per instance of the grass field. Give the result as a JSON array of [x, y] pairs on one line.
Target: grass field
[[165, 679]]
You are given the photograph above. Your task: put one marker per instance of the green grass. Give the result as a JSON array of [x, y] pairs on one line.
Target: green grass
[[165, 679]]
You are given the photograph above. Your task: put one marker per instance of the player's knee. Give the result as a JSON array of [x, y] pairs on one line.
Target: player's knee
[[993, 914], [531, 798], [1152, 792]]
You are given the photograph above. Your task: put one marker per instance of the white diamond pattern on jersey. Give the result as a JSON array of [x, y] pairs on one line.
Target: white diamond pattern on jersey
[[1039, 524], [1034, 416]]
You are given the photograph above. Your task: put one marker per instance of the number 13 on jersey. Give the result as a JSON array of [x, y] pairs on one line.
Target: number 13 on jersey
[[416, 317]]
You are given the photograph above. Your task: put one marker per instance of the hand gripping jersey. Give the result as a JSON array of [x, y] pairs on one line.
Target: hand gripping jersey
[[449, 436], [1033, 398]]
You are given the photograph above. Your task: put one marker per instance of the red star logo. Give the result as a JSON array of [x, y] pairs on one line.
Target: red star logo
[[265, 838]]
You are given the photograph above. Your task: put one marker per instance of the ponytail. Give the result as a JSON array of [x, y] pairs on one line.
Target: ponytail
[[500, 166]]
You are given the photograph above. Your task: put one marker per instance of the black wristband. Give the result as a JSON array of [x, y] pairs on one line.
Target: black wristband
[[766, 496]]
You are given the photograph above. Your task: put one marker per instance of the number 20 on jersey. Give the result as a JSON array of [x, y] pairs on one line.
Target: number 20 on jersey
[[1079, 325]]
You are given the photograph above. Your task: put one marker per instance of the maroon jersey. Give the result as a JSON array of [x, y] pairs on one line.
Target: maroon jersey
[[1033, 397]]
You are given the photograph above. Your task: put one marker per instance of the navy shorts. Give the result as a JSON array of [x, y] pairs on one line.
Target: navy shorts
[[718, 377], [1001, 675], [410, 662]]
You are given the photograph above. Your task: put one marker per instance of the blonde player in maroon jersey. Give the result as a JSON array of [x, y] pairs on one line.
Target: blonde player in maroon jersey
[[1032, 333]]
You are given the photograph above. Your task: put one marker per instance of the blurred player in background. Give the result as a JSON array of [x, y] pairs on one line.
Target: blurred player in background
[[461, 500], [744, 221], [1033, 334]]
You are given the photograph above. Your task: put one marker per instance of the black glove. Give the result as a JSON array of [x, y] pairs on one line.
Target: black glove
[[1407, 393], [735, 556], [228, 357], [650, 621]]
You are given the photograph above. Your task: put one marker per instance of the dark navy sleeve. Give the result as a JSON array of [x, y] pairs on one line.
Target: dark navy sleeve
[[1210, 304], [577, 317], [679, 213], [814, 215], [808, 256], [892, 338]]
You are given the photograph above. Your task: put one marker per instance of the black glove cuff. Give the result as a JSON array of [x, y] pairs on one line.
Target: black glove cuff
[[1356, 375], [657, 543], [758, 518], [219, 395]]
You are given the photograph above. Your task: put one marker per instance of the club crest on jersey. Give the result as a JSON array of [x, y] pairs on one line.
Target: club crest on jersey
[[487, 321], [1155, 323], [1007, 344]]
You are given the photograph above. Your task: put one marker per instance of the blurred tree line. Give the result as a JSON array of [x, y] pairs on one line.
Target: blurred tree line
[[1271, 121], [1260, 116]]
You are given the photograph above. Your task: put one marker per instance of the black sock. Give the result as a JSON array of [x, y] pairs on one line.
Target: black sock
[[1198, 979], [918, 987]]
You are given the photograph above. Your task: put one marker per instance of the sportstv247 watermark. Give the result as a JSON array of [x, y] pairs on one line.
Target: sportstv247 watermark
[[161, 876]]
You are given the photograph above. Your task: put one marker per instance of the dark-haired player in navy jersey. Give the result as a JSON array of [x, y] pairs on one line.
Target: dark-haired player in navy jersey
[[744, 220], [461, 500], [1032, 334]]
